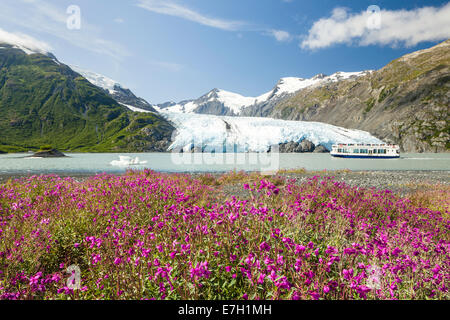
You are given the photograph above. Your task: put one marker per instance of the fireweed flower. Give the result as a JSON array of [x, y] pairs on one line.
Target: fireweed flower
[[348, 273], [153, 226], [200, 271], [264, 246], [396, 252], [275, 233], [96, 258], [261, 278]]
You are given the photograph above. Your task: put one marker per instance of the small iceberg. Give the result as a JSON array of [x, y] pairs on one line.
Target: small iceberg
[[125, 161]]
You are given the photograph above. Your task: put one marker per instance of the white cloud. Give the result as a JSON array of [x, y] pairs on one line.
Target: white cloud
[[24, 41], [119, 20], [399, 27], [40, 16], [280, 35], [171, 8]]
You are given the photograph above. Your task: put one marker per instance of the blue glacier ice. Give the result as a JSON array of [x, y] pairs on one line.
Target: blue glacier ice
[[253, 134]]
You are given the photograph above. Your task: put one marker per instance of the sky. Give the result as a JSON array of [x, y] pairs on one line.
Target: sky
[[171, 50]]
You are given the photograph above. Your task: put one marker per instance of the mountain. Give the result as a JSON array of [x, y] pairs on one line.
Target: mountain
[[43, 101], [222, 102], [406, 102], [119, 93]]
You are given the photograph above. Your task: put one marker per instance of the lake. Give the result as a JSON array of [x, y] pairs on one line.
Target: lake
[[171, 162]]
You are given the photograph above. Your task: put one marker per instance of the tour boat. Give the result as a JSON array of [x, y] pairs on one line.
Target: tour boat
[[366, 151]]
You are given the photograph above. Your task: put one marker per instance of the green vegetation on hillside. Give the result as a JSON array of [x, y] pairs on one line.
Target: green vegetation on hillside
[[44, 102]]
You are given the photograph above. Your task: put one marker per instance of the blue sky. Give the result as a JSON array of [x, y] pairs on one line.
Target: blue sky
[[175, 50]]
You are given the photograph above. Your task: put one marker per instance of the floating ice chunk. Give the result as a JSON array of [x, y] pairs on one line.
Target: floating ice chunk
[[125, 161]]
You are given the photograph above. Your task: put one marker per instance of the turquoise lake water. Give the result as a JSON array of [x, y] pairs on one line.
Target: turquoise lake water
[[168, 162]]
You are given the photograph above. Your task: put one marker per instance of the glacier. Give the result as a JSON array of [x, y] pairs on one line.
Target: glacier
[[252, 134]]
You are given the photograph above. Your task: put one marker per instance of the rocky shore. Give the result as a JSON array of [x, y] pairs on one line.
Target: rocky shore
[[52, 153], [299, 147], [400, 182], [287, 147]]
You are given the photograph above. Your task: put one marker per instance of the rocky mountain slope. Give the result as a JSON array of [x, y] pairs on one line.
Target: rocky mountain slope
[[407, 102], [43, 101]]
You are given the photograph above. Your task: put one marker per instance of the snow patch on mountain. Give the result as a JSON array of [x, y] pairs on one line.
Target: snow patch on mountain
[[25, 49], [135, 109], [98, 79], [24, 42], [235, 101]]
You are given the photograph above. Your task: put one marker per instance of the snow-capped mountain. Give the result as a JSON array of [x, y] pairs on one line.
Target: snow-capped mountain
[[23, 45], [222, 102], [216, 121], [242, 134], [118, 92]]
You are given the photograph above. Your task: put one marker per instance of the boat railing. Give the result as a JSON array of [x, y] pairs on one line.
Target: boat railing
[[366, 145]]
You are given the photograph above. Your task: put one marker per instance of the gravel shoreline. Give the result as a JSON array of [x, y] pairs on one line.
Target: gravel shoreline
[[400, 182]]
